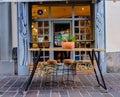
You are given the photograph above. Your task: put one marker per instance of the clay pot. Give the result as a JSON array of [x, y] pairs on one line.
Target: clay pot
[[68, 45]]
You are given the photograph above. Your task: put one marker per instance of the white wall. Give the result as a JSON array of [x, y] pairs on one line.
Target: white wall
[[14, 24], [112, 26]]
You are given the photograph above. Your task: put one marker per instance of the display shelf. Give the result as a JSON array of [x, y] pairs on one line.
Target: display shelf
[[83, 36], [40, 37]]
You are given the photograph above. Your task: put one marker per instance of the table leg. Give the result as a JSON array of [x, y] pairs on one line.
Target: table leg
[[91, 55], [98, 64], [97, 59], [35, 63]]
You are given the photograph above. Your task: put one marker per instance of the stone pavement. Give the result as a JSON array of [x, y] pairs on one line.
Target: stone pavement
[[84, 86]]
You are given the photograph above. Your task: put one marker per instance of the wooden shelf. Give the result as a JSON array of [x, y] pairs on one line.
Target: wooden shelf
[[84, 41]]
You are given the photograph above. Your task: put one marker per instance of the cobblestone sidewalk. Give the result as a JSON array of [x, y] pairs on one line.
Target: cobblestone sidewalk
[[84, 86]]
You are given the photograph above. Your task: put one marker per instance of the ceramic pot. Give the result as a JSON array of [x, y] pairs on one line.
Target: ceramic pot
[[68, 45]]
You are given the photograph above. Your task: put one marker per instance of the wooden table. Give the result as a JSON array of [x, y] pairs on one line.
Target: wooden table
[[94, 54], [60, 49]]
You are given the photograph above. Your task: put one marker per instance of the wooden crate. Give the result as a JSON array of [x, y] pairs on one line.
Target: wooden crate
[[83, 69]]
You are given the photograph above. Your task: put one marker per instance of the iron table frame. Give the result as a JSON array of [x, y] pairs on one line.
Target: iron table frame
[[94, 54]]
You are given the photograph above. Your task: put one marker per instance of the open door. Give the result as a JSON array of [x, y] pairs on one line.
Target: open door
[[60, 28]]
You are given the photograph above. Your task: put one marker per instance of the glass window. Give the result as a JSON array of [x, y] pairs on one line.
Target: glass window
[[61, 12], [82, 11], [39, 12]]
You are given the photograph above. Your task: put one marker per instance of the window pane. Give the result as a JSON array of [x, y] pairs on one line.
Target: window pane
[[39, 12], [82, 11], [61, 12]]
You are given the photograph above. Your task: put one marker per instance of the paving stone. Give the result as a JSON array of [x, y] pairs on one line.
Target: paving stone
[[32, 93], [44, 93], [107, 95], [63, 93], [1, 93], [5, 88], [84, 80], [9, 94], [4, 81], [74, 93], [115, 94], [84, 92], [19, 94], [55, 94]]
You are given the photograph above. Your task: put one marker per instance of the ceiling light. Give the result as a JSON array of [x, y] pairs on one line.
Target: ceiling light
[[45, 10], [83, 8]]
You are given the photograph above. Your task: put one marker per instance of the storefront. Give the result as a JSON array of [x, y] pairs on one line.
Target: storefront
[[49, 25], [48, 20]]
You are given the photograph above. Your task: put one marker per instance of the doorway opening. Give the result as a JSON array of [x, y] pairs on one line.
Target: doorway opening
[[60, 28]]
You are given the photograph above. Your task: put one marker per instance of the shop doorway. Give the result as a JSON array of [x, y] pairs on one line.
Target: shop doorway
[[60, 28]]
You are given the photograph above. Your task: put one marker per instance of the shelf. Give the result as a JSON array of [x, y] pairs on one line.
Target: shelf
[[84, 41], [41, 42], [42, 35]]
